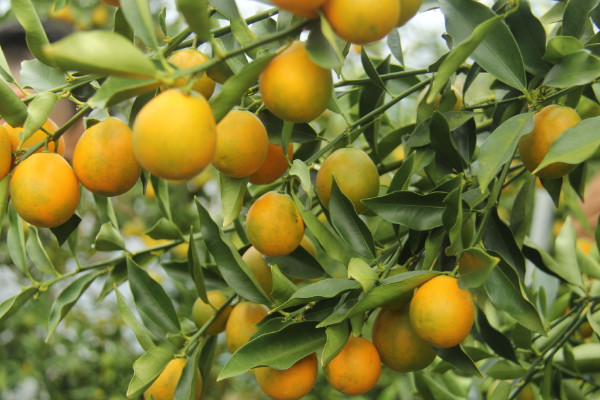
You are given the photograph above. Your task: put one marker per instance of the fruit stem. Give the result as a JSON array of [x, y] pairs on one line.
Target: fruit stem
[[488, 104], [189, 347]]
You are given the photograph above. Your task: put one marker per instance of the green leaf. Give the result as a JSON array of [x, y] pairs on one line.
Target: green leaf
[[39, 110], [106, 212], [151, 300], [495, 339], [453, 218], [116, 89], [576, 69], [236, 86], [35, 35], [505, 370], [161, 188], [164, 229], [500, 146], [195, 268], [67, 299], [16, 241], [232, 197], [561, 46], [231, 266], [109, 238], [522, 212], [239, 28], [324, 289], [63, 232], [301, 170], [195, 13], [137, 13], [5, 73], [283, 288], [576, 17], [500, 392], [370, 69], [475, 265], [413, 210], [323, 47], [146, 369], [138, 329], [299, 264], [586, 357], [509, 298], [95, 52], [458, 358], [279, 350], [39, 76], [575, 144], [593, 320], [337, 336], [4, 194], [471, 23], [566, 257], [499, 238], [362, 272], [12, 108], [443, 142], [11, 305], [348, 224], [37, 253]]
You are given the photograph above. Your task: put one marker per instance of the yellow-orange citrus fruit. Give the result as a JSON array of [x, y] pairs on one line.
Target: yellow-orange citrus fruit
[[293, 87], [174, 135], [116, 3], [355, 174], [202, 312], [442, 313], [103, 158], [301, 8], [548, 124], [289, 384], [5, 153], [408, 9], [241, 324], [274, 165], [355, 369], [274, 225], [242, 144], [188, 58], [398, 345], [14, 134], [163, 387], [259, 267], [44, 190], [362, 21]]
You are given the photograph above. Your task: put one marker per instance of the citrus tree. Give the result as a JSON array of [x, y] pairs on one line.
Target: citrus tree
[[360, 230]]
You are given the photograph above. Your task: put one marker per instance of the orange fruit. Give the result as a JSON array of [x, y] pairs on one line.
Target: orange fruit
[[241, 324], [188, 58], [163, 387], [344, 164], [5, 153], [174, 135], [44, 190], [259, 267], [289, 384], [116, 3], [202, 312], [441, 313], [274, 225], [548, 124], [362, 21], [274, 165], [355, 369], [242, 144], [408, 9], [301, 8], [398, 345], [293, 87], [38, 136], [103, 158]]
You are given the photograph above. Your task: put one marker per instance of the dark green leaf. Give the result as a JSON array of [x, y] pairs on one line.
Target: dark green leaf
[[402, 176], [109, 238], [495, 339], [299, 264], [452, 218], [195, 268], [324, 289], [443, 143], [576, 69], [232, 197], [410, 209], [499, 238], [138, 329], [283, 288], [459, 359], [63, 232], [16, 241], [146, 369], [323, 48], [561, 46], [337, 336], [576, 17], [12, 108]]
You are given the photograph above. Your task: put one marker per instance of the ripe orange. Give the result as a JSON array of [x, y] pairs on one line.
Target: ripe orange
[[44, 190], [5, 153], [441, 313], [274, 225], [241, 324], [356, 369], [242, 144], [293, 87], [344, 164], [289, 384], [408, 9], [398, 345], [259, 267], [116, 3], [163, 388], [174, 135], [188, 58], [274, 165], [362, 21], [38, 136], [103, 158], [202, 312], [548, 124], [303, 8]]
